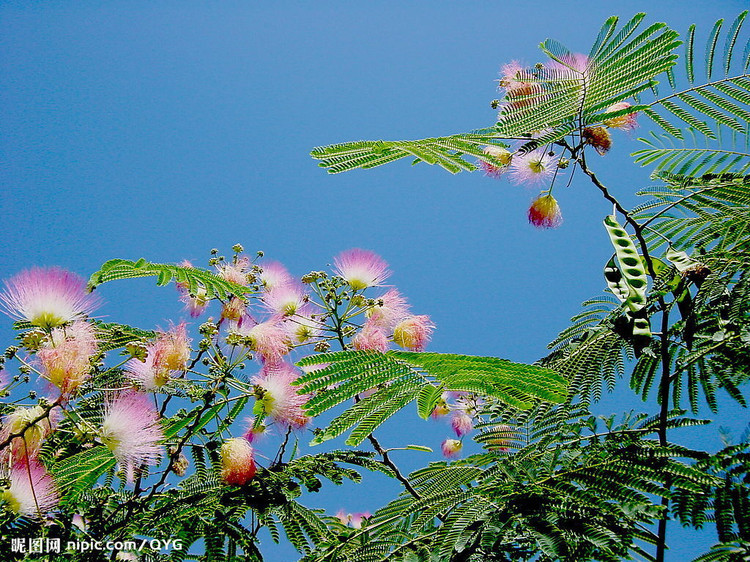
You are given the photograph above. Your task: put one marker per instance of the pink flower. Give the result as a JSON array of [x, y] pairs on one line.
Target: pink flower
[[413, 333], [461, 422], [361, 268], [268, 339], [167, 356], [451, 448], [627, 122], [32, 492], [196, 303], [576, 61], [499, 153], [28, 445], [501, 438], [235, 272], [343, 516], [237, 461], [131, 430], [533, 168], [65, 357], [47, 297], [515, 76], [545, 212], [234, 309], [388, 311], [371, 337], [253, 433], [302, 326], [277, 398], [286, 299], [441, 409], [273, 274], [599, 138], [358, 519]]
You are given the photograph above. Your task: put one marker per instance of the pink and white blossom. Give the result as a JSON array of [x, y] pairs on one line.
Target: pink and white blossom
[[361, 268], [131, 430], [269, 339], [461, 422], [27, 446], [277, 396], [196, 303], [371, 338], [544, 212], [503, 155], [166, 357], [235, 272], [273, 274], [627, 122], [32, 492], [389, 310], [533, 168], [414, 332], [237, 461], [47, 297], [65, 358], [451, 448], [286, 299]]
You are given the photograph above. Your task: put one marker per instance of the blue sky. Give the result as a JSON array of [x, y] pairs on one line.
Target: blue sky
[[164, 130]]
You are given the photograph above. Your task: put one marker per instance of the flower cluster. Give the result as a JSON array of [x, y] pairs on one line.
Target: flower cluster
[[265, 318], [524, 89]]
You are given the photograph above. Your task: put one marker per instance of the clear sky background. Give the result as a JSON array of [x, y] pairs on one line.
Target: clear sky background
[[162, 130]]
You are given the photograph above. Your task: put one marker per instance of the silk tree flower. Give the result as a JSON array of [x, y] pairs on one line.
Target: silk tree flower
[[461, 422], [572, 61], [626, 122], [47, 298], [234, 309], [237, 461], [499, 153], [196, 303], [356, 520], [32, 492], [441, 408], [268, 339], [544, 212], [65, 357], [599, 138], [253, 433], [273, 274], [278, 398], [451, 448], [28, 445], [361, 268], [286, 299], [413, 333], [130, 429], [533, 168], [371, 337], [515, 76], [166, 356], [389, 310], [235, 272], [500, 441], [303, 326]]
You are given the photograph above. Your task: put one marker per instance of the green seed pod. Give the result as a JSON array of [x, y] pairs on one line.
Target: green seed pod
[[615, 282], [631, 264], [680, 260]]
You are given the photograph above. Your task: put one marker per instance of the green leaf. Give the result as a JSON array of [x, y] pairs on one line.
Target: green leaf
[[195, 279]]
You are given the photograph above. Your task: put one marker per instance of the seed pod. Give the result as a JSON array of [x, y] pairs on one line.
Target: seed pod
[[631, 264], [615, 282]]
